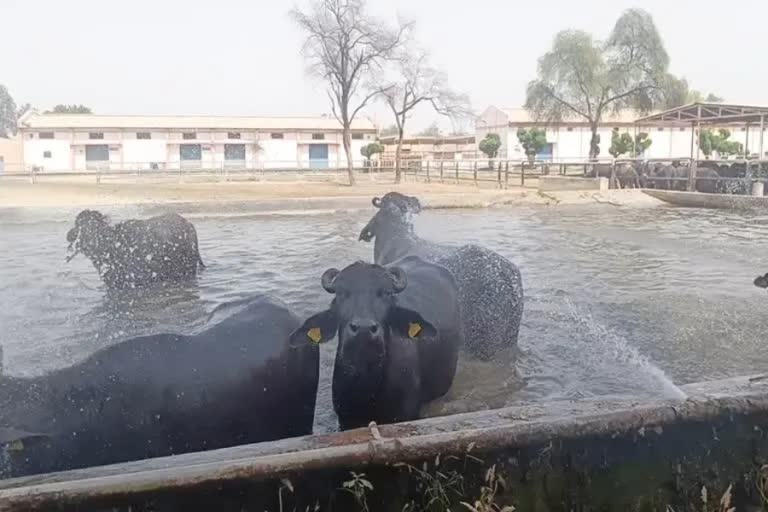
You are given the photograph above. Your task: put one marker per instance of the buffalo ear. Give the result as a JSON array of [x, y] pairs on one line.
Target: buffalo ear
[[318, 328], [328, 278], [409, 324]]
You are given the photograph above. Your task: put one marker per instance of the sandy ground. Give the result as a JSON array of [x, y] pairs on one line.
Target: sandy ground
[[294, 195]]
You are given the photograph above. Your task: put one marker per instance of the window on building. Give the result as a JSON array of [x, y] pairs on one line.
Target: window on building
[[46, 135], [318, 136], [743, 128], [570, 128], [276, 135], [233, 135], [46, 154], [234, 152], [143, 135], [96, 135], [660, 128], [189, 136], [682, 128], [357, 136], [192, 152]]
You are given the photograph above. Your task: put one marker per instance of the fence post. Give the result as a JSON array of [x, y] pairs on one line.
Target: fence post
[[457, 172], [498, 174], [428, 179], [692, 175], [474, 169], [506, 175], [522, 173], [612, 183], [441, 171]]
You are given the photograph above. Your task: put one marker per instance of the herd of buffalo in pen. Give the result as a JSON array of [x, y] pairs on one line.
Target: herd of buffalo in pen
[[401, 322]]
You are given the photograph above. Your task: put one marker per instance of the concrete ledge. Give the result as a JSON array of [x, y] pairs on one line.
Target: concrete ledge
[[563, 183]]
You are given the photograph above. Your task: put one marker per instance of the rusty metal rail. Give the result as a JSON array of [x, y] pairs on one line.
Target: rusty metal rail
[[485, 431]]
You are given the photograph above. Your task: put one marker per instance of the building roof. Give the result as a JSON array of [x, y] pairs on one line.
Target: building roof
[[92, 121], [428, 139], [709, 113], [521, 115]]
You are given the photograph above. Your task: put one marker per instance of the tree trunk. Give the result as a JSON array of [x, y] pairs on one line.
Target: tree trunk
[[398, 151], [347, 141]]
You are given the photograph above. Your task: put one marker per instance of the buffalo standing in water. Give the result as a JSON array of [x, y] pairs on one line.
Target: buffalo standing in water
[[761, 281], [137, 253], [490, 286], [399, 332], [234, 383]]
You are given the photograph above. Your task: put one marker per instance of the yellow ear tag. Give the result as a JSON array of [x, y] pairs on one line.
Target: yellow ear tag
[[414, 330], [315, 334], [16, 446]]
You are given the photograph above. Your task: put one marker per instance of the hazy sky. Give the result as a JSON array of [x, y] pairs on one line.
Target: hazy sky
[[242, 56]]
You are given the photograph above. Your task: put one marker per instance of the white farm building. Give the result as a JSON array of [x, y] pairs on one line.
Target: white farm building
[[75, 142], [569, 139]]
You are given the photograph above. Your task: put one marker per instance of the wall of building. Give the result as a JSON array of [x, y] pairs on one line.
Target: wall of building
[[127, 151], [571, 139], [48, 154]]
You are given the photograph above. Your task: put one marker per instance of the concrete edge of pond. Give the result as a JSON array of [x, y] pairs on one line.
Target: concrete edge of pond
[[336, 204], [707, 200], [600, 420]]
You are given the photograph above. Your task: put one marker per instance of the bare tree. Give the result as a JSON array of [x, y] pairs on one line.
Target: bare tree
[[344, 47], [419, 83]]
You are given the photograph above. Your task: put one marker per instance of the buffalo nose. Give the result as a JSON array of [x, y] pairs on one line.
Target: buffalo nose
[[364, 327]]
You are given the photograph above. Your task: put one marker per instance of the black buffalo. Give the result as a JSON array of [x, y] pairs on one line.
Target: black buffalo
[[234, 383], [627, 175], [399, 330], [761, 281], [137, 253], [490, 286]]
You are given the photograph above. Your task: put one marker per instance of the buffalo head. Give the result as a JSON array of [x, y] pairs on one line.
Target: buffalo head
[[364, 313], [761, 281], [90, 235], [393, 207]]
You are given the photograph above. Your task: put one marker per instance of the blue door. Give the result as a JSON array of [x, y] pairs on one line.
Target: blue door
[[546, 152], [318, 156]]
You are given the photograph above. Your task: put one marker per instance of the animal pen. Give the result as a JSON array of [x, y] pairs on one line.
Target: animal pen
[[698, 115]]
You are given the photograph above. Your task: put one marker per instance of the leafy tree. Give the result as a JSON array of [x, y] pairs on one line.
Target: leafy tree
[[642, 143], [371, 149], [621, 143], [418, 83], [433, 130], [70, 109], [710, 142], [344, 47], [595, 145], [533, 141], [580, 77], [7, 113], [490, 146], [677, 92], [388, 131]]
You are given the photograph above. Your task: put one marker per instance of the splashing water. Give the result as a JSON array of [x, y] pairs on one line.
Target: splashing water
[[617, 350]]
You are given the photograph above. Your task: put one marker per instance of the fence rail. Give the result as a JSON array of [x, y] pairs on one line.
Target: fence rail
[[501, 173]]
